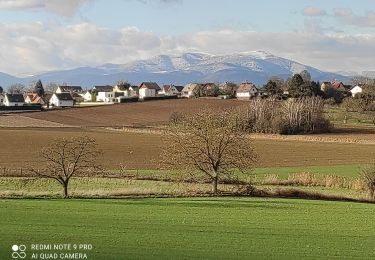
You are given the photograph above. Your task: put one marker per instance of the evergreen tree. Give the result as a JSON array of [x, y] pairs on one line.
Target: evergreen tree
[[272, 88], [295, 85], [305, 76], [38, 88]]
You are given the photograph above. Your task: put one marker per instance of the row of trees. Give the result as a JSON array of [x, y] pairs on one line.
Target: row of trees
[[214, 90], [35, 86]]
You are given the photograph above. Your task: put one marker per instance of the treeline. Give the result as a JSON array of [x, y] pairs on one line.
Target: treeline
[[293, 116]]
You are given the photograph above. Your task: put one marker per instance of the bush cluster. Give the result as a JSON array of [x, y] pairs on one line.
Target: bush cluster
[[294, 116]]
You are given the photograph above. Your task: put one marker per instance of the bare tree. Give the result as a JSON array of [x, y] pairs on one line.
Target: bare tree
[[66, 158], [209, 141], [51, 87], [16, 88]]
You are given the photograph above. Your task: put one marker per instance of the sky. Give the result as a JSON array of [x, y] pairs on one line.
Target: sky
[[42, 35]]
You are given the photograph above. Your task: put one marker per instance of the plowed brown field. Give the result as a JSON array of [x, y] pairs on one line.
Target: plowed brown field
[[137, 150], [130, 114]]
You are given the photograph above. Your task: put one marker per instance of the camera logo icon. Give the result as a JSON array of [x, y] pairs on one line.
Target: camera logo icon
[[18, 251]]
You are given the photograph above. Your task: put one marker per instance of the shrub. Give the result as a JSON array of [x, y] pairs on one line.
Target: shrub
[[294, 116], [368, 177], [303, 179]]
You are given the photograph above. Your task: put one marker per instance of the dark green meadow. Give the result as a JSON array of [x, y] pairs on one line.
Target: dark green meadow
[[194, 228]]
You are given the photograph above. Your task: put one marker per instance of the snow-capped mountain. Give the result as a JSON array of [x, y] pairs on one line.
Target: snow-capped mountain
[[256, 66]]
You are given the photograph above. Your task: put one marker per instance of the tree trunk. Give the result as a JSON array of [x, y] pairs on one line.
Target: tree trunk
[[214, 185], [65, 185]]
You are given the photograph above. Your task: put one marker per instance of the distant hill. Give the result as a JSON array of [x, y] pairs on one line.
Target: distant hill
[[257, 67]]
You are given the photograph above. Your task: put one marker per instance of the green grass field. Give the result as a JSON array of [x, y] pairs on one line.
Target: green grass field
[[158, 182], [336, 115], [205, 228]]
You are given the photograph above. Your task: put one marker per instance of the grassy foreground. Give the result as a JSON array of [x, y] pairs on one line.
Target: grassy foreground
[[204, 228]]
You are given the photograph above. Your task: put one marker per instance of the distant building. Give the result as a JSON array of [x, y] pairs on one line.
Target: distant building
[[87, 96], [12, 100], [69, 89], [169, 90], [1, 99], [33, 98], [108, 97], [129, 91], [190, 90], [106, 88], [62, 100], [338, 85], [247, 90], [210, 89], [148, 89], [356, 90], [77, 98]]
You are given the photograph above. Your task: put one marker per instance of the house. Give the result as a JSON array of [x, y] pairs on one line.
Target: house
[[106, 88], [12, 100], [210, 89], [46, 99], [338, 85], [148, 89], [169, 90], [129, 91], [356, 90], [87, 96], [133, 91], [108, 97], [33, 98], [62, 100], [69, 89], [29, 97], [190, 90], [325, 86], [1, 99], [77, 97], [246, 90]]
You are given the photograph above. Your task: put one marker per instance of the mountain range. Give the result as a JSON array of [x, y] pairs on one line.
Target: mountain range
[[255, 66]]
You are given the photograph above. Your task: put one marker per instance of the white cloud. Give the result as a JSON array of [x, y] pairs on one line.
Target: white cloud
[[313, 11], [62, 7], [38, 47]]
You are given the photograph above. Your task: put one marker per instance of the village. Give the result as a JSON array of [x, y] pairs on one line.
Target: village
[[75, 96]]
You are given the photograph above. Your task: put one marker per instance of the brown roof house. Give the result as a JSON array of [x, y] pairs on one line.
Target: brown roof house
[[34, 98], [210, 89], [247, 90]]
